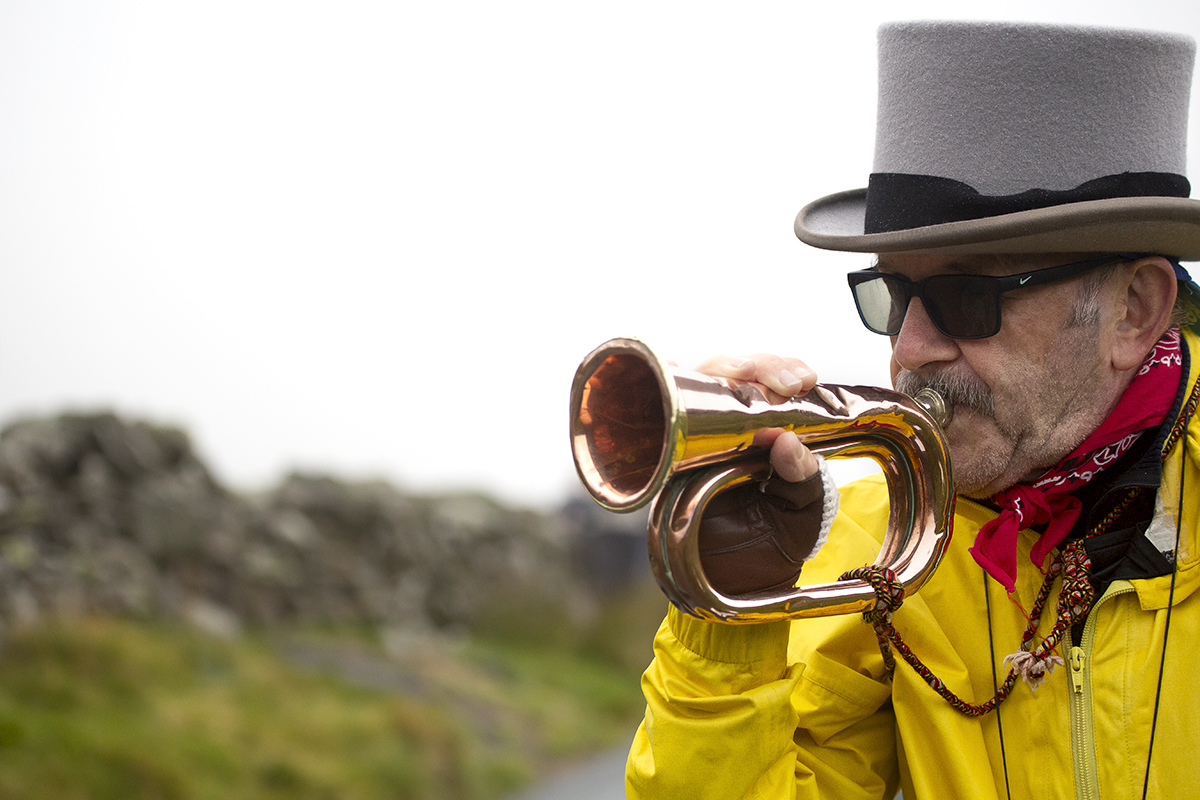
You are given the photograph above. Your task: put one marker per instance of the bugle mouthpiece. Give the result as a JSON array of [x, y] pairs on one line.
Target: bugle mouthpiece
[[935, 406]]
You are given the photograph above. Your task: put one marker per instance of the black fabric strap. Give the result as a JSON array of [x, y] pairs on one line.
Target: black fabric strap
[[896, 201]]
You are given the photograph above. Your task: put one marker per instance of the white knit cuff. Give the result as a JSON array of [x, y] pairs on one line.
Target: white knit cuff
[[829, 506]]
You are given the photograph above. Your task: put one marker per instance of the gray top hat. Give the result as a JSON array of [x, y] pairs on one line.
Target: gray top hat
[[998, 137]]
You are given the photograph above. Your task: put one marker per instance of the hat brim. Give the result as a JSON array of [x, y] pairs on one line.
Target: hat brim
[[1166, 225]]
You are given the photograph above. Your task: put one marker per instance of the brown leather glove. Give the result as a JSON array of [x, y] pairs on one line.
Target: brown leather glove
[[755, 537]]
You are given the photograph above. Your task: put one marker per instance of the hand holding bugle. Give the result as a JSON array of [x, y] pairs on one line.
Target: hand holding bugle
[[644, 430]]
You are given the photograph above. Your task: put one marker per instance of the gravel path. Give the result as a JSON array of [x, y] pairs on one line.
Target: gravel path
[[601, 778]]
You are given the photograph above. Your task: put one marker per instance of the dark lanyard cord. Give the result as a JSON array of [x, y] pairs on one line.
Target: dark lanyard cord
[[987, 600], [1166, 627]]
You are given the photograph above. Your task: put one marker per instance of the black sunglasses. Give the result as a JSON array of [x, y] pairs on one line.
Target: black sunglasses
[[960, 306]]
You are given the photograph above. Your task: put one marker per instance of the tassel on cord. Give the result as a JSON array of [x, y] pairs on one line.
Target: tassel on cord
[[1074, 601], [1032, 670]]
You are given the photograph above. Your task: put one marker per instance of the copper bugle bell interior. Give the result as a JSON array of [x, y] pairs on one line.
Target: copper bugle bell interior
[[644, 430]]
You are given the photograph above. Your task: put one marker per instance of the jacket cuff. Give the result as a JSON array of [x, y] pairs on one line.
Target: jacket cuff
[[829, 504], [732, 643]]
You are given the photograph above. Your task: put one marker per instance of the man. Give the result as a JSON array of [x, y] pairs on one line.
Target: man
[[1028, 212]]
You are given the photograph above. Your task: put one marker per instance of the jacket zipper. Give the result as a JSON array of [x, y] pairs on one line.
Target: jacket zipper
[[1083, 744]]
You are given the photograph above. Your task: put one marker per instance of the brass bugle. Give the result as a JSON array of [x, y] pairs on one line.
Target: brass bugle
[[642, 429]]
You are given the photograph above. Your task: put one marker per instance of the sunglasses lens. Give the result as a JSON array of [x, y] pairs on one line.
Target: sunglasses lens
[[881, 303], [963, 306]]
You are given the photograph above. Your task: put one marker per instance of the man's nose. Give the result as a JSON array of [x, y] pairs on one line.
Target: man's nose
[[919, 342]]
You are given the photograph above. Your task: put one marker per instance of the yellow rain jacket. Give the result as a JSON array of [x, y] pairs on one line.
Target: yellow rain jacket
[[805, 709]]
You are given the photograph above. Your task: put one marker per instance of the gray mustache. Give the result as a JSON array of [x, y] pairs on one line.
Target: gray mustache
[[955, 389]]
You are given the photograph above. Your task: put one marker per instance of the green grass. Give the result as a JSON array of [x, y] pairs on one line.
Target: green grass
[[103, 708]]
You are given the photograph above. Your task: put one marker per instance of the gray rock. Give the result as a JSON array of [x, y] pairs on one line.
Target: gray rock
[[98, 513]]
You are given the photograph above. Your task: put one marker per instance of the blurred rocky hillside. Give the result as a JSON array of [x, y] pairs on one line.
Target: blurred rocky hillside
[[98, 513]]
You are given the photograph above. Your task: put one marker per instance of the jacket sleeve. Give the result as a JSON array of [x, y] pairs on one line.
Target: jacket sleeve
[[719, 719], [771, 710]]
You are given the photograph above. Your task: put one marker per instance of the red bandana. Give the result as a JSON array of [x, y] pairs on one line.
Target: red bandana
[[1048, 501]]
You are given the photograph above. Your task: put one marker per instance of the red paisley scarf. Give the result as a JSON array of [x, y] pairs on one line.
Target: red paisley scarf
[[1048, 500]]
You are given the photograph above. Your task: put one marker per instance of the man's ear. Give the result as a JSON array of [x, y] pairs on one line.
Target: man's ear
[[1146, 298]]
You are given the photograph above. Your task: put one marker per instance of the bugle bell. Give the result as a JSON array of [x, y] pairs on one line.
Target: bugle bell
[[644, 430]]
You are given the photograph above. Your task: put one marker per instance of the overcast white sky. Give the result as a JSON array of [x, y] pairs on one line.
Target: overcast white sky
[[376, 238]]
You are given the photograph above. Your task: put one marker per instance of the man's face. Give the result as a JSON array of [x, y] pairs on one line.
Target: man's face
[[1048, 379]]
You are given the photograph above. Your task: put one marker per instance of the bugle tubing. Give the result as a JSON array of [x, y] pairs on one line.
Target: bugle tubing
[[644, 430]]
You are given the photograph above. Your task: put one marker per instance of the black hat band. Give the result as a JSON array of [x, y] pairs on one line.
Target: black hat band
[[896, 201]]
